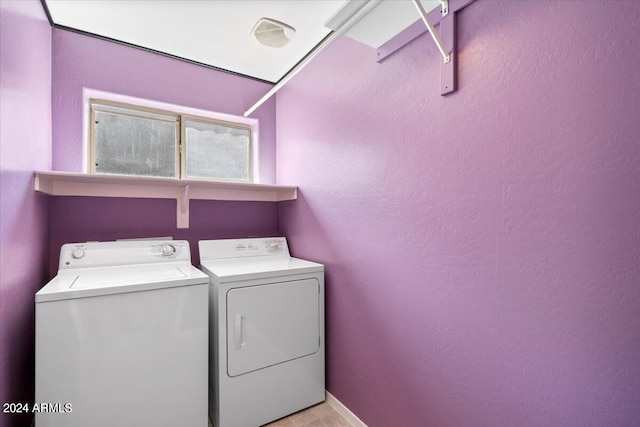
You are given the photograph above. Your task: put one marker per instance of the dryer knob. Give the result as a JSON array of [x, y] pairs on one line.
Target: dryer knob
[[168, 250], [77, 254]]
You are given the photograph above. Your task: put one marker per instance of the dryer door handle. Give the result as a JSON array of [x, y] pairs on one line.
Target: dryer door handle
[[239, 331]]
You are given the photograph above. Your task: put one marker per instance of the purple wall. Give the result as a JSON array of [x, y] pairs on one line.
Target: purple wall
[[482, 249], [85, 62], [81, 219], [25, 145]]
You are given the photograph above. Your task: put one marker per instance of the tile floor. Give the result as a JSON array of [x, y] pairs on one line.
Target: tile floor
[[320, 415]]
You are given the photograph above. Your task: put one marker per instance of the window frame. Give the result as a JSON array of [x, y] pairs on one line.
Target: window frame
[[180, 118]]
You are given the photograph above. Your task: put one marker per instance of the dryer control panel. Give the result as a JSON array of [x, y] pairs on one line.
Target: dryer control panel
[[242, 248]]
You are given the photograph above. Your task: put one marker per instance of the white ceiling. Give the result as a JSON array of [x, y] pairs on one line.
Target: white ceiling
[[217, 32], [388, 19]]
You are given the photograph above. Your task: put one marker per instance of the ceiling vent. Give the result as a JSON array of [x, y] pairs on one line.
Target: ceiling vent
[[272, 33]]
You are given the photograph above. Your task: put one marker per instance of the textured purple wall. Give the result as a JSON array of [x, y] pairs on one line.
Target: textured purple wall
[[85, 62], [482, 249], [25, 145]]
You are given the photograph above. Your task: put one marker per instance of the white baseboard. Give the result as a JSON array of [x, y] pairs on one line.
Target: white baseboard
[[344, 411]]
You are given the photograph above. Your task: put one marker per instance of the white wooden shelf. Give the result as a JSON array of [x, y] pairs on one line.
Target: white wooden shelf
[[182, 190]]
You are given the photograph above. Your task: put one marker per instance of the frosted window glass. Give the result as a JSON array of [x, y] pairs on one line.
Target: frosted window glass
[[217, 151], [130, 145]]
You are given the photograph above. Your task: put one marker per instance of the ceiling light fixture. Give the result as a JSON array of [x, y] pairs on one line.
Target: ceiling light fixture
[[272, 33]]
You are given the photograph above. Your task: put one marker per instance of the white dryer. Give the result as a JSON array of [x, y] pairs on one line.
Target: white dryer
[[267, 331], [122, 337]]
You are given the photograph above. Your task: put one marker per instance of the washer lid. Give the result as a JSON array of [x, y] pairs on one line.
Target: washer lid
[[90, 282], [236, 269]]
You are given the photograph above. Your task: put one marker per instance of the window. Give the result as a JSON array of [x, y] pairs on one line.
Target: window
[[130, 140], [134, 142], [216, 150]]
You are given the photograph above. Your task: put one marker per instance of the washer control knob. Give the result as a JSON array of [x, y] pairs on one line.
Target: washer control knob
[[77, 254], [168, 250], [274, 247]]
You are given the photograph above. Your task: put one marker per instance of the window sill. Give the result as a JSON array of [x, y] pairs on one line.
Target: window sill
[[182, 190]]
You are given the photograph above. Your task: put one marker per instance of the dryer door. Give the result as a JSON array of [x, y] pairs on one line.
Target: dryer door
[[271, 324]]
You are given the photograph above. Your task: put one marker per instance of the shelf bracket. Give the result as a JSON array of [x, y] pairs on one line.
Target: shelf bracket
[[445, 18], [448, 70], [446, 42], [182, 220], [432, 31], [445, 7]]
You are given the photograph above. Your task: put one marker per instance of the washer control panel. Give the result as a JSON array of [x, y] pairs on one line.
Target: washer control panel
[[242, 248], [77, 254], [168, 250], [125, 252]]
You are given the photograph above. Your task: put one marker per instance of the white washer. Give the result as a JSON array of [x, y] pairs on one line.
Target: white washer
[[122, 337], [267, 331]]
